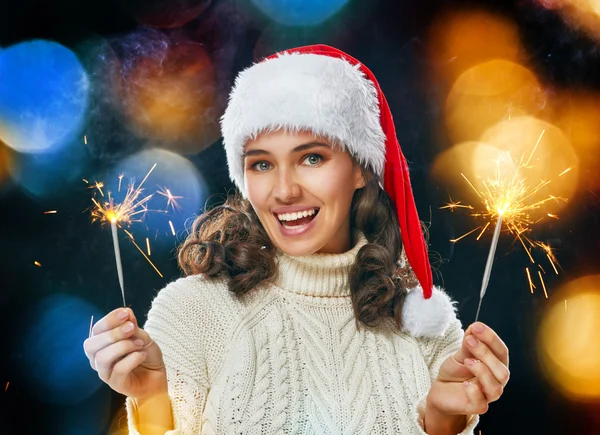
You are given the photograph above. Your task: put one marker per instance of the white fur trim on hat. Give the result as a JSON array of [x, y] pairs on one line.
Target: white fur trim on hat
[[427, 317], [327, 96]]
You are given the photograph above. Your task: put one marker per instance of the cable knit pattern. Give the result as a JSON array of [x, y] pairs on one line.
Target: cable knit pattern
[[287, 357]]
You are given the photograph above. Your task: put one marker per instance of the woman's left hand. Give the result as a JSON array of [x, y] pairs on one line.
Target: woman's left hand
[[473, 377]]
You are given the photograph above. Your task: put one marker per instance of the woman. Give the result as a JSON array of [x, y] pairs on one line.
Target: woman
[[309, 305]]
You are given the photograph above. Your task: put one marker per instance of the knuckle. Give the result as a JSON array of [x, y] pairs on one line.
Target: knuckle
[[483, 350], [497, 392], [505, 377], [87, 346]]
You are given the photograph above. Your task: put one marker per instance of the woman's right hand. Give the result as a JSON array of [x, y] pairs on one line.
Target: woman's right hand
[[125, 356]]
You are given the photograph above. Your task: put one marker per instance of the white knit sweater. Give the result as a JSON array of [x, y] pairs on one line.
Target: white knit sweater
[[288, 359]]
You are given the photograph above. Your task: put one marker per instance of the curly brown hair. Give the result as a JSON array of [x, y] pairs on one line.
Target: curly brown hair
[[229, 239]]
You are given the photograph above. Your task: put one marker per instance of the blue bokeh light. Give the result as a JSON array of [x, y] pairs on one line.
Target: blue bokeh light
[[43, 96], [50, 357], [173, 172], [48, 175], [299, 12]]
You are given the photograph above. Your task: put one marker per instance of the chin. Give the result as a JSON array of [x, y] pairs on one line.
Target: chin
[[297, 248]]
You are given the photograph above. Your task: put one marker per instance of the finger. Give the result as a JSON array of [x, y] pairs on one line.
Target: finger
[[464, 351], [488, 336], [483, 353], [111, 320], [489, 385], [477, 402], [96, 343], [126, 365], [109, 356]]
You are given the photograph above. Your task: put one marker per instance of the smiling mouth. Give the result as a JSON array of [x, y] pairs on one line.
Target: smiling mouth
[[305, 220]]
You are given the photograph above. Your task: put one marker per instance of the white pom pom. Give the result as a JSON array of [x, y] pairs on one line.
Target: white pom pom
[[427, 317]]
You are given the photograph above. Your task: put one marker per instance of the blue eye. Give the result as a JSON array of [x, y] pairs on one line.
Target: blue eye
[[254, 166], [257, 168], [318, 156]]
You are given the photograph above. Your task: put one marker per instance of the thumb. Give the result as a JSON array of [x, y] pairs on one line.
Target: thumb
[[464, 352], [154, 358], [132, 317]]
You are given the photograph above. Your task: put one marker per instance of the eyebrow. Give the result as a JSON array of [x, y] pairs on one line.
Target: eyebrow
[[299, 148]]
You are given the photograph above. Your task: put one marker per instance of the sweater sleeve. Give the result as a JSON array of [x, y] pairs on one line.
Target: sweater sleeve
[[185, 321], [436, 351]]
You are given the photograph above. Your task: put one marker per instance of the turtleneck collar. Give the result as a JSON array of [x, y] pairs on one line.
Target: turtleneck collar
[[319, 275]]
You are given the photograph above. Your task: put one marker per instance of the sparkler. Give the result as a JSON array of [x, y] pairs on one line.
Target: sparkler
[[508, 200], [131, 209]]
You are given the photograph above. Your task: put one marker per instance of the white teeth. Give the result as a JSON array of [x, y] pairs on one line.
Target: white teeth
[[296, 215]]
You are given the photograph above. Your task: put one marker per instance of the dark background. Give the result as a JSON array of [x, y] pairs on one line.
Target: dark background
[[42, 396]]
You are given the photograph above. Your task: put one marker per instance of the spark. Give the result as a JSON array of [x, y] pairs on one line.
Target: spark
[[452, 205], [84, 139], [124, 212], [51, 212], [6, 387], [142, 252], [543, 284], [565, 171], [120, 180], [171, 199], [148, 247], [172, 229], [99, 186], [37, 263], [531, 284]]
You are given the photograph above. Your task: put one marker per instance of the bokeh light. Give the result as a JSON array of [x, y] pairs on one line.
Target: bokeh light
[[43, 96], [5, 163], [164, 13], [50, 175], [49, 359], [473, 159], [169, 91], [582, 15], [489, 93], [299, 12], [173, 173], [568, 338], [578, 115], [461, 39]]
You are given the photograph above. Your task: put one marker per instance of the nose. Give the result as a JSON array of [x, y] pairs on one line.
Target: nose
[[287, 188]]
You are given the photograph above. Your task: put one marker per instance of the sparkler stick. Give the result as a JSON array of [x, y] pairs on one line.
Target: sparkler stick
[[113, 227], [488, 264]]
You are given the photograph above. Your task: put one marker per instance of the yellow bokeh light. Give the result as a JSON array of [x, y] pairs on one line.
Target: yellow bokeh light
[[473, 159], [488, 93], [5, 162], [461, 39], [174, 101], [569, 339], [582, 15]]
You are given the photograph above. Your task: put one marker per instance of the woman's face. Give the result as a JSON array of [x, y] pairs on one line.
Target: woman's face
[[299, 172]]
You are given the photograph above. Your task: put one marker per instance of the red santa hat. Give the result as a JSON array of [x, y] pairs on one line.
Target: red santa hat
[[321, 89]]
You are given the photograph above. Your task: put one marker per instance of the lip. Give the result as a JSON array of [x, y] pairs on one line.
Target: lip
[[296, 231], [292, 209]]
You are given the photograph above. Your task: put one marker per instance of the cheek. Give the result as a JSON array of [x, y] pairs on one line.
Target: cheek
[[258, 192]]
